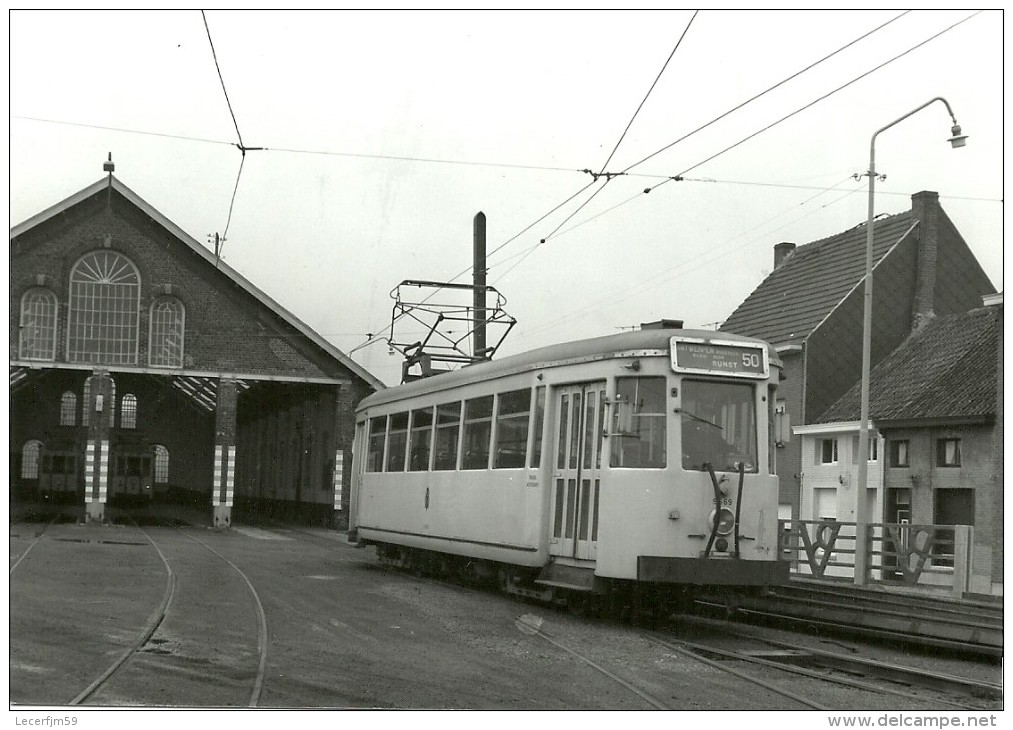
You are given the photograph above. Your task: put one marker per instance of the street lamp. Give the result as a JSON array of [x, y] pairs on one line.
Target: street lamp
[[956, 140]]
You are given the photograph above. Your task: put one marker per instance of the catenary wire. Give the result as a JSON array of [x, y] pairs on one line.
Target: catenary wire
[[768, 90], [854, 80], [644, 101], [739, 106], [716, 254]]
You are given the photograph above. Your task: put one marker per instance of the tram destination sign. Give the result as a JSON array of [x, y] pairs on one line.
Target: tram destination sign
[[719, 357]]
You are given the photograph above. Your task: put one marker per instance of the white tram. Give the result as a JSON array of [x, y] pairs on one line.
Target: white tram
[[579, 470]]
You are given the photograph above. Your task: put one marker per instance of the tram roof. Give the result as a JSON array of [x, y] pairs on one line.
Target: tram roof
[[596, 348]]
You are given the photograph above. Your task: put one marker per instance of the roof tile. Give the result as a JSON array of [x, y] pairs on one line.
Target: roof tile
[[789, 304]]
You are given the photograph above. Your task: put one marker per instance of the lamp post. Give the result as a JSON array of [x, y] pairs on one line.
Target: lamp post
[[861, 529]]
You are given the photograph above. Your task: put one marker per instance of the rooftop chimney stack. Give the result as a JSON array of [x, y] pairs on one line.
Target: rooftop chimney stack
[[782, 251]]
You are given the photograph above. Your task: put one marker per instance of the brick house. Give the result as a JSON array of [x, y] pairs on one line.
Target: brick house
[[810, 308], [145, 370], [936, 403]]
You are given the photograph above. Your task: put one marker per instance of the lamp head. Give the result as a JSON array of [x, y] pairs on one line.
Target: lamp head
[[958, 139]]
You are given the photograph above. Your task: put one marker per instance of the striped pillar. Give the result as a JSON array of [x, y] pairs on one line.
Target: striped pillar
[[99, 407], [224, 471], [339, 474], [224, 476]]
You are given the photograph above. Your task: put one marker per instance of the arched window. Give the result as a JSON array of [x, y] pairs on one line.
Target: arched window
[[30, 459], [165, 343], [37, 329], [68, 409], [87, 405], [105, 295], [161, 464], [128, 411]]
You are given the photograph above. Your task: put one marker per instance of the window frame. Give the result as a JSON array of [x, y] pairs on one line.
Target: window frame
[[128, 411], [641, 421], [896, 447], [397, 442], [440, 432], [474, 425], [516, 419], [418, 433], [32, 301], [104, 276], [68, 408], [31, 459], [161, 464], [942, 460], [821, 452], [157, 325]]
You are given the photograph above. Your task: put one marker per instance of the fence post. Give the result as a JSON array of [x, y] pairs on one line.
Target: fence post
[[962, 535], [861, 553]]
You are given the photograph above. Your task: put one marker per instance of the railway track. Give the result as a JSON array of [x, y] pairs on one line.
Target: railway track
[[111, 681], [762, 654], [959, 627]]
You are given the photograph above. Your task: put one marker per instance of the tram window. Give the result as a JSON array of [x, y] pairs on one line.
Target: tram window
[[377, 438], [397, 441], [718, 426], [536, 440], [639, 424], [512, 420], [477, 432], [448, 427], [421, 440]]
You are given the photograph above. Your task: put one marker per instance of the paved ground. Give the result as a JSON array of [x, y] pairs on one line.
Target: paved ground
[[341, 632]]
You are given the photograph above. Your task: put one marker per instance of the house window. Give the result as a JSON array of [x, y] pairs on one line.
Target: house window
[[37, 329], [68, 409], [30, 459], [161, 464], [128, 411], [165, 344], [826, 451], [105, 293], [899, 453], [948, 452]]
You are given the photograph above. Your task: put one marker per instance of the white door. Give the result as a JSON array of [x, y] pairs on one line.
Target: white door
[[580, 413]]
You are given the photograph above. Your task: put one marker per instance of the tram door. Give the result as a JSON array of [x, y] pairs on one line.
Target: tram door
[[576, 479]]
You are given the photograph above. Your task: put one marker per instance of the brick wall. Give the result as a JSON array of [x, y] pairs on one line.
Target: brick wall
[[226, 328]]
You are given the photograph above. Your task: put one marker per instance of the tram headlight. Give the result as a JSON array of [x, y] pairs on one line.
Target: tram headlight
[[725, 521]]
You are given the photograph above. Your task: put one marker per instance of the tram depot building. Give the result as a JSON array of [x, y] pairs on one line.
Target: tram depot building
[[936, 384], [144, 371]]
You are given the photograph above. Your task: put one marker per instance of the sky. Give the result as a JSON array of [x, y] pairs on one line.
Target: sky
[[383, 134]]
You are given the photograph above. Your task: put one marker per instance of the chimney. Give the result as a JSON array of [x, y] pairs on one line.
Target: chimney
[[782, 251], [925, 209]]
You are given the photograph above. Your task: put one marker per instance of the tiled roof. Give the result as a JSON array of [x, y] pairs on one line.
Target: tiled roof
[[947, 369], [789, 304]]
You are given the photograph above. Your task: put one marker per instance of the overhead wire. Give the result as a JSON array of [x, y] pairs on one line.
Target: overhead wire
[[657, 78], [666, 276], [242, 147], [594, 180], [681, 176], [737, 108]]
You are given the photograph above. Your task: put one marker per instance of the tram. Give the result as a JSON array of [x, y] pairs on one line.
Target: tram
[[581, 472]]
